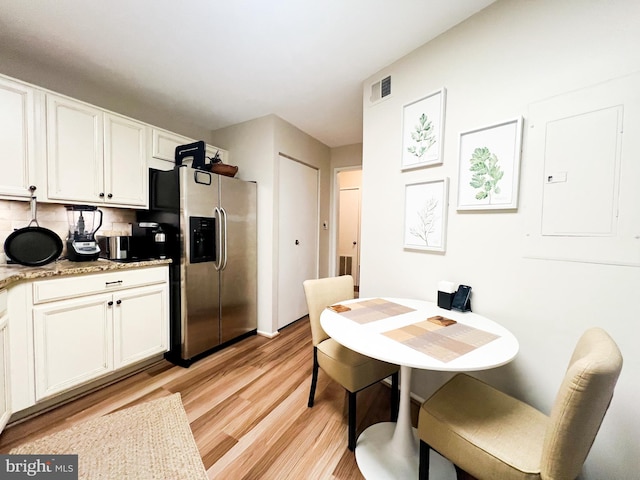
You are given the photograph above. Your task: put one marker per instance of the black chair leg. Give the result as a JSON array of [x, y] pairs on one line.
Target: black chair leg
[[462, 475], [314, 377], [395, 397], [423, 470], [352, 421]]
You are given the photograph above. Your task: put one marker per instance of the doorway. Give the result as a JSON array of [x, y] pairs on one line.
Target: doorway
[[349, 184], [298, 223]]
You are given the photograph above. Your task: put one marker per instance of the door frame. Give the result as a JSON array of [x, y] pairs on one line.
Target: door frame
[[333, 223], [355, 267]]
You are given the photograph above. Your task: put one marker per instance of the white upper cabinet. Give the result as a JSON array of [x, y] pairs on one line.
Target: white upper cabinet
[[125, 161], [93, 156], [165, 143], [74, 150], [17, 138]]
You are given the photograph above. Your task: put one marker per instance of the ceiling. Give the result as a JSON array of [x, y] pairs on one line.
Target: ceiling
[[216, 63]]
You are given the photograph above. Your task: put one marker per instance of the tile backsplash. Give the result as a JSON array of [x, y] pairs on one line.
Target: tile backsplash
[[17, 214]]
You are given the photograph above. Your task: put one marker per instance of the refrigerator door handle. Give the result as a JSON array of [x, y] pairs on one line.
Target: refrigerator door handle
[[224, 254], [218, 263]]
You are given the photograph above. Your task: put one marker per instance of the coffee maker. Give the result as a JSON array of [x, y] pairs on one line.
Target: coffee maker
[[84, 221], [149, 240]]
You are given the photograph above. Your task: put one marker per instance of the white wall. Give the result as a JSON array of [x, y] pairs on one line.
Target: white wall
[[494, 65], [255, 147], [346, 156]]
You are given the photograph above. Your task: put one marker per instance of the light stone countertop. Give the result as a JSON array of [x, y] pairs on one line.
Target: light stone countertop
[[10, 274]]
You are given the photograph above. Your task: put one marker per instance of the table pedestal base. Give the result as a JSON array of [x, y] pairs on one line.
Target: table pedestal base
[[375, 456], [376, 462]]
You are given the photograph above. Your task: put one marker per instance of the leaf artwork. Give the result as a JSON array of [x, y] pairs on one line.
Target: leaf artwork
[[486, 173], [426, 221], [423, 135]]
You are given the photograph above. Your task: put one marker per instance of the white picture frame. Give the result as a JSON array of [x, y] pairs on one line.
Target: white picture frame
[[423, 131], [489, 166], [425, 221]]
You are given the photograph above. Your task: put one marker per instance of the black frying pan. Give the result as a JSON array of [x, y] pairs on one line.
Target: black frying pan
[[33, 246]]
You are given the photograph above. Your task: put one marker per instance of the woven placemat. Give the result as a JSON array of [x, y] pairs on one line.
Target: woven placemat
[[152, 440]]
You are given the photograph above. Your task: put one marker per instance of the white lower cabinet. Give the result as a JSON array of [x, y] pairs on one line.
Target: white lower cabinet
[[72, 343], [139, 324], [5, 397], [77, 340]]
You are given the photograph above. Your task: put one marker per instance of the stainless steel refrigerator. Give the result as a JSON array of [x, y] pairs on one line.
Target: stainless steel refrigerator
[[210, 224]]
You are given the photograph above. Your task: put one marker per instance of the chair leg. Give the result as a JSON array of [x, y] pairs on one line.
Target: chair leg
[[352, 421], [394, 397], [423, 469], [314, 377], [462, 475]]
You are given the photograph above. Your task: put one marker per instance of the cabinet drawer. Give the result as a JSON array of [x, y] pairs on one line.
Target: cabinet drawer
[[3, 301], [71, 287]]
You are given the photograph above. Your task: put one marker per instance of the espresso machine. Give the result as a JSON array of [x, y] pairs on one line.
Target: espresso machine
[[152, 239], [84, 221]]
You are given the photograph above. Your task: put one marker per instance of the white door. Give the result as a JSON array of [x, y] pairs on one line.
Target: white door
[[349, 233], [298, 221]]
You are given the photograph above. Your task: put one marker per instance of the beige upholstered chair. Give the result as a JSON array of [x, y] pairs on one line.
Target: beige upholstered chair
[[350, 369], [490, 435]]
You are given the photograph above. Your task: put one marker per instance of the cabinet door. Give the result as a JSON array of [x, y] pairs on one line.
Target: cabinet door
[[5, 403], [73, 343], [17, 138], [165, 143], [125, 161], [74, 150], [140, 324]]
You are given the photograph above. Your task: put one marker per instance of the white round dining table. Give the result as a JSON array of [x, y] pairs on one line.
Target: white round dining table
[[389, 450]]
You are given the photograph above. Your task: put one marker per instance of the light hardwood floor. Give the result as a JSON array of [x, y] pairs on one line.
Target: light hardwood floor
[[247, 407]]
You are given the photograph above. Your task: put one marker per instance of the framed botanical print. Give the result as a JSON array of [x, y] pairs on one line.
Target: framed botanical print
[[425, 222], [422, 131], [489, 166]]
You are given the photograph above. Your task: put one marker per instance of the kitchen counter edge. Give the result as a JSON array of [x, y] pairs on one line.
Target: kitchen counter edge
[[10, 274]]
